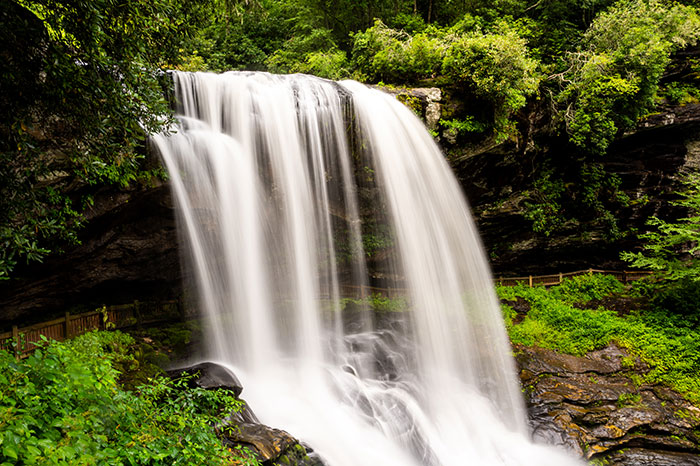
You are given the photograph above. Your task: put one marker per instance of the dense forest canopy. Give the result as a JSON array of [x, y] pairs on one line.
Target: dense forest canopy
[[83, 85]]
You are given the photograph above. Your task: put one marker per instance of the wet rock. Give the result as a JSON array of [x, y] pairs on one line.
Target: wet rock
[[270, 446], [268, 443], [210, 376], [273, 447], [424, 101], [591, 406], [641, 457]]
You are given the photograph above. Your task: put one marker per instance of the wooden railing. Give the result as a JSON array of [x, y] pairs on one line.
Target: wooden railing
[[23, 341], [624, 276]]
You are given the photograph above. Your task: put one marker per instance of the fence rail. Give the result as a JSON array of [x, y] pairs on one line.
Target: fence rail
[[624, 276], [23, 341]]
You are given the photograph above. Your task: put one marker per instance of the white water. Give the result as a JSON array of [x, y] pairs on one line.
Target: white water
[[273, 176]]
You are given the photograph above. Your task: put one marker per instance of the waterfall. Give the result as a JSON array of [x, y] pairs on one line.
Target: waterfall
[[294, 195]]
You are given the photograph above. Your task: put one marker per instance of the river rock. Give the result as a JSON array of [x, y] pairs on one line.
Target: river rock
[[591, 406], [270, 446]]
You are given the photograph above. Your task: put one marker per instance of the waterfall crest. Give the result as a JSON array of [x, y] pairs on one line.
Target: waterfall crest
[[279, 181]]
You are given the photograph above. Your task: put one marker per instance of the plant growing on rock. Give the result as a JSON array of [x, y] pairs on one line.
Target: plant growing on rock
[[64, 405], [672, 248]]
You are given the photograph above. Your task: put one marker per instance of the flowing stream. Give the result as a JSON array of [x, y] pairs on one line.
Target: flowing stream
[[292, 192]]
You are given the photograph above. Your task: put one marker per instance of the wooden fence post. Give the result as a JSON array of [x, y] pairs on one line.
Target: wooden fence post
[[561, 277], [15, 337], [530, 281], [101, 318], [66, 333], [137, 313], [624, 276]]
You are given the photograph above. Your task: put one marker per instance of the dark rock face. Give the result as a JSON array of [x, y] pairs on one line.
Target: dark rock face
[[648, 161], [591, 406], [128, 252]]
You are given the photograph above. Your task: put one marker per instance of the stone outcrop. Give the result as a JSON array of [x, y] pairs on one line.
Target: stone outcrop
[[592, 406], [426, 102], [210, 376], [648, 161], [270, 446]]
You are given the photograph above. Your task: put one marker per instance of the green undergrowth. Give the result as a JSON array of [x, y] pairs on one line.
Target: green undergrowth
[[64, 405], [573, 319], [376, 302]]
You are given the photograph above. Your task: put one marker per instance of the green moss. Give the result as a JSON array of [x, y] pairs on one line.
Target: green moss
[[629, 399], [411, 102]]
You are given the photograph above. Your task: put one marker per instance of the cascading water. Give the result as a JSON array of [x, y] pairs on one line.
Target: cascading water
[[276, 179]]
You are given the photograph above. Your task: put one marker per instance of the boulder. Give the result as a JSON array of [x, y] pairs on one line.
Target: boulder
[[210, 376], [591, 406], [270, 446]]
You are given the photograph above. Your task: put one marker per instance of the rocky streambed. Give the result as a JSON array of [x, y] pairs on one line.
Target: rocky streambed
[[595, 407]]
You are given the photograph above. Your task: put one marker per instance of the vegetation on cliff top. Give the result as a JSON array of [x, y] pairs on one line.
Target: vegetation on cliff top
[[80, 102]]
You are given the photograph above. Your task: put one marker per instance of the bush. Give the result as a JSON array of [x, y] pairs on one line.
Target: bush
[[495, 67], [62, 405], [384, 54], [682, 299], [315, 53], [613, 80]]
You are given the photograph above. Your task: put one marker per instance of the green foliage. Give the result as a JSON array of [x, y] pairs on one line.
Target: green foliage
[[681, 93], [544, 209], [492, 67], [313, 53], [672, 248], [79, 107], [613, 80], [561, 319], [384, 54], [495, 67], [682, 298], [464, 125], [565, 200], [377, 302], [587, 288], [63, 405], [235, 35]]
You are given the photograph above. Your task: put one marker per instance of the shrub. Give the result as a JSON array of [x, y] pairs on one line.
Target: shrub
[[384, 54], [614, 78], [63, 405], [495, 67], [315, 53]]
